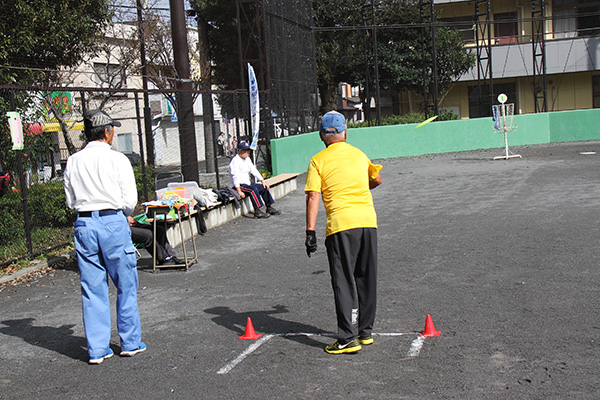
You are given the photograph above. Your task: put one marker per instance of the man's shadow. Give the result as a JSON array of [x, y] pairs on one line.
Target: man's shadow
[[264, 322], [65, 263], [60, 340]]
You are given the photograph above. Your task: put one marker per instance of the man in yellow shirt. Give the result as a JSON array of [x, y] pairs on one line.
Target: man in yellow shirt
[[343, 176]]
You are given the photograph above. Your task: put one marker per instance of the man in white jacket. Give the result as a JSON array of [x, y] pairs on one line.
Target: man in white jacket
[[240, 169], [100, 186]]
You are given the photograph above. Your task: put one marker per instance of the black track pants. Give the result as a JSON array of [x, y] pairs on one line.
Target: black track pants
[[352, 258]]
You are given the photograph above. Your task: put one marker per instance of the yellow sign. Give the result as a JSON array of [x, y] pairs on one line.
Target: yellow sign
[[55, 126]]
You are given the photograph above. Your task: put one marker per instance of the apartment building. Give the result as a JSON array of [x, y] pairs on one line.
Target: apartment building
[[101, 75], [544, 55]]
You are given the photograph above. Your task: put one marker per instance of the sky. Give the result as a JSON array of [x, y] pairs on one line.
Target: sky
[[127, 7]]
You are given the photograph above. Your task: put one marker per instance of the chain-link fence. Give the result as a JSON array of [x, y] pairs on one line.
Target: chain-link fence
[[131, 74], [33, 214]]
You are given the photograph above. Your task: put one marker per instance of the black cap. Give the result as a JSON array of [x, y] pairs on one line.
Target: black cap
[[96, 118]]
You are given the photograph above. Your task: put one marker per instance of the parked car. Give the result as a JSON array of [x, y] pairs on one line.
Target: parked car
[[134, 158]]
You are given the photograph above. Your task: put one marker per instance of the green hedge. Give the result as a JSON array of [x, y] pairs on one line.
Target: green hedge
[[47, 206], [49, 215], [139, 181], [11, 218], [412, 118]]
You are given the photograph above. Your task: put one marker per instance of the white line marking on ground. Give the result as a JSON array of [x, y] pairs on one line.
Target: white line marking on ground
[[415, 346], [227, 368], [392, 334], [244, 354], [303, 334]]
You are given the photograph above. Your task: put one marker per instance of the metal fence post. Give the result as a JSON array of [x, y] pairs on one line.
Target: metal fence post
[[23, 188], [142, 160]]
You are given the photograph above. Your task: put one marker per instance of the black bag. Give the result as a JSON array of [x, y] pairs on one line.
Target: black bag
[[224, 195], [201, 224]]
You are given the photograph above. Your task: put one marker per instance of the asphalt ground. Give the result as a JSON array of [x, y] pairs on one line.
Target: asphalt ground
[[502, 255]]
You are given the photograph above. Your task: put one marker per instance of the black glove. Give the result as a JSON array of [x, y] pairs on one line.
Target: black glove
[[311, 242]]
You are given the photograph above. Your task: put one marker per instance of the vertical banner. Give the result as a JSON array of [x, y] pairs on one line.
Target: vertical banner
[[16, 129], [254, 106]]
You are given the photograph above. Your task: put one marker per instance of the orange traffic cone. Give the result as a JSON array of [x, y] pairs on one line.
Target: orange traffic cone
[[429, 328], [250, 334]]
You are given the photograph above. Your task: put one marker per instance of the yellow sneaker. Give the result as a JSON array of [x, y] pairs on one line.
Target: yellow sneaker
[[365, 340], [337, 348]]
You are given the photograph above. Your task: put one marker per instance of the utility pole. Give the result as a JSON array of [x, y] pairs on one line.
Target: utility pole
[[141, 5], [434, 61], [23, 186], [207, 103], [376, 64], [183, 86]]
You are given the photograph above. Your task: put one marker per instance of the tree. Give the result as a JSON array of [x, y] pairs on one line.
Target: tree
[[218, 19], [344, 49], [38, 37], [402, 56], [339, 51]]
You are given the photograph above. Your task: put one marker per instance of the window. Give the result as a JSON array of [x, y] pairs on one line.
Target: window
[[484, 108], [125, 142], [565, 23], [588, 21], [596, 91], [506, 28], [576, 18], [155, 107], [465, 25]]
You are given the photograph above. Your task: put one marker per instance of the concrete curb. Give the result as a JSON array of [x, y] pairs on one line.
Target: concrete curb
[[214, 217], [34, 268]]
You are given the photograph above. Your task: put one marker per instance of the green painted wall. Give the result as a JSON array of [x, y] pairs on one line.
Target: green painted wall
[[572, 126], [292, 153]]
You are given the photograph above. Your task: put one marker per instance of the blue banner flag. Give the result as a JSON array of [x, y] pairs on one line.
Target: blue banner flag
[[254, 106]]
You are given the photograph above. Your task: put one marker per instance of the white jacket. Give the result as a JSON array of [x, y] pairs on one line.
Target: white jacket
[[240, 170]]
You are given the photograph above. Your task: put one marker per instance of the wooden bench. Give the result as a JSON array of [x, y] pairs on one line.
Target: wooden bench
[[282, 184], [275, 180]]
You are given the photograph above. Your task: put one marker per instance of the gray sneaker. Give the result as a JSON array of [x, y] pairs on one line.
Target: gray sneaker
[[273, 211], [260, 214]]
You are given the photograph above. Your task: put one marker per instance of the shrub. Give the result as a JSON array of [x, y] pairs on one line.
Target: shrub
[[363, 124], [11, 218], [139, 181], [47, 206], [50, 220], [447, 115], [412, 118]]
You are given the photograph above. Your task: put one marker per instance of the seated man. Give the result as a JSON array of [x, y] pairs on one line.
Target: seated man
[[240, 168], [142, 233]]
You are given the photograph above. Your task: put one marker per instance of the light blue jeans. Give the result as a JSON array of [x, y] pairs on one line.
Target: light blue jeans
[[103, 246]]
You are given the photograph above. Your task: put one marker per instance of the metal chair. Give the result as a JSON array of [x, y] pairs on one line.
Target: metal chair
[[164, 178]]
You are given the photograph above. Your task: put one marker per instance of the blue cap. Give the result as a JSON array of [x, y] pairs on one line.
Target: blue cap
[[333, 122], [243, 146]]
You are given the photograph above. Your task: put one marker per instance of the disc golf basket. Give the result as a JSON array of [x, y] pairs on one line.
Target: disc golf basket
[[502, 115]]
